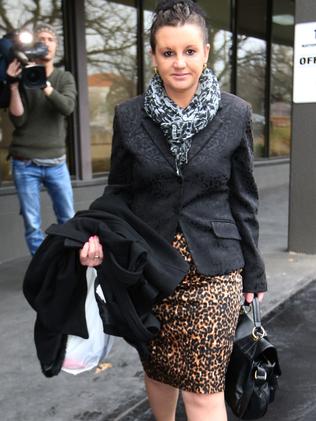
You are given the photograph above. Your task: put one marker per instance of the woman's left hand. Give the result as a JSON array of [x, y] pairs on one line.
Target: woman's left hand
[[249, 296]]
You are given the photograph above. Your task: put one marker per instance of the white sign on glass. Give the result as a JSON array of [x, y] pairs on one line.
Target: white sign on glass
[[304, 81]]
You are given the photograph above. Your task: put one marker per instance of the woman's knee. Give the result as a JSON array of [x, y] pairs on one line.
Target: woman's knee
[[198, 400], [205, 407]]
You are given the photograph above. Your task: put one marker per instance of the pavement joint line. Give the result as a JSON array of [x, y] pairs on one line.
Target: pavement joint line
[[273, 311], [130, 410], [302, 283]]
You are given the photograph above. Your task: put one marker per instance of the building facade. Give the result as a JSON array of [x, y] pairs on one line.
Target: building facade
[[105, 45]]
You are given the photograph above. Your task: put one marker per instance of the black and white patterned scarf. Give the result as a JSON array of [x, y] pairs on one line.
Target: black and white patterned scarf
[[180, 124]]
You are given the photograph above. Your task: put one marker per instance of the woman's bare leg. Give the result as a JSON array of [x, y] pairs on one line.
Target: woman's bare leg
[[162, 399], [205, 407]]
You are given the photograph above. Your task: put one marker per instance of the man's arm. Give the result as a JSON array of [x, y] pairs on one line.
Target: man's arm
[[16, 107], [63, 99]]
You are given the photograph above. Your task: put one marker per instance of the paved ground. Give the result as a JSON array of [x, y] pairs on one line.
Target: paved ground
[[26, 395], [293, 331]]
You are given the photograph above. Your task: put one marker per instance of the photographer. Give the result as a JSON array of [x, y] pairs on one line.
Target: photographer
[[38, 148]]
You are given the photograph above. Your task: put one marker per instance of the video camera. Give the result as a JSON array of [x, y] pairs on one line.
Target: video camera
[[19, 44]]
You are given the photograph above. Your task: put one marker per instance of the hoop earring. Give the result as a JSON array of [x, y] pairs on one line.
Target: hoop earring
[[204, 66], [155, 69]]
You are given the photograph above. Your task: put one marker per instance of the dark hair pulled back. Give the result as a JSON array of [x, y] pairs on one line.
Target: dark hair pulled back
[[177, 13]]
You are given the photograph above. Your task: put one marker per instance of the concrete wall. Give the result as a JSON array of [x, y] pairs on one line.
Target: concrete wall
[[268, 174]]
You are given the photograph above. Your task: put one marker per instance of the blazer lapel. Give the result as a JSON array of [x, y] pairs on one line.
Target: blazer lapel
[[198, 142], [206, 135], [157, 137]]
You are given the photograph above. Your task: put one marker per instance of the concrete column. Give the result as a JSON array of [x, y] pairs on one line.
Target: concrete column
[[302, 203]]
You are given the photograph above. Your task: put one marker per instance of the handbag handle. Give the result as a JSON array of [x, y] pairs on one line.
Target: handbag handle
[[258, 331], [256, 312]]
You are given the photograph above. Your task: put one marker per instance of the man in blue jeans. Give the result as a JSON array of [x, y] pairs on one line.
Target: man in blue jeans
[[38, 149]]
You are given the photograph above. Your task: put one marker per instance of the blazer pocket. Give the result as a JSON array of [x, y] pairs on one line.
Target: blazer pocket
[[225, 229]]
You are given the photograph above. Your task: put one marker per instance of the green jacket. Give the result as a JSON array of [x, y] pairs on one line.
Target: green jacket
[[41, 131]]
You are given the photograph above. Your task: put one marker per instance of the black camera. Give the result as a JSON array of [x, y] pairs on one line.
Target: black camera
[[19, 44]]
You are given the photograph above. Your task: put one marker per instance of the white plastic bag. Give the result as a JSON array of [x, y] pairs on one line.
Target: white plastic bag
[[85, 354]]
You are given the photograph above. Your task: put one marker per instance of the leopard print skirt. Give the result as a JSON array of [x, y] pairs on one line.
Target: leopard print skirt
[[198, 322]]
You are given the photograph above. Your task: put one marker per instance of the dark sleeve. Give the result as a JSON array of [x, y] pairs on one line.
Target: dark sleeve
[[121, 161], [18, 121], [120, 176], [63, 97], [244, 205], [120, 179]]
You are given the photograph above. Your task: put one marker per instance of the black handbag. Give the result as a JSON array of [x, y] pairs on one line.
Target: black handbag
[[253, 369]]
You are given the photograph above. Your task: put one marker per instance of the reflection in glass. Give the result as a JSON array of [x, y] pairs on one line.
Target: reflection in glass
[[281, 78], [112, 70], [17, 14], [149, 6], [251, 64], [251, 84], [220, 39]]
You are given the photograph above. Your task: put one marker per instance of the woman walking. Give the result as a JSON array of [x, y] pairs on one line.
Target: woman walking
[[182, 155]]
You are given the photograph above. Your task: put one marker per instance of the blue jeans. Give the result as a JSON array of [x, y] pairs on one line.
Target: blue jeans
[[28, 179]]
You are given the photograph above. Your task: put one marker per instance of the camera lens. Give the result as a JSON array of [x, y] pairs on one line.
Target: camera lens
[[34, 77]]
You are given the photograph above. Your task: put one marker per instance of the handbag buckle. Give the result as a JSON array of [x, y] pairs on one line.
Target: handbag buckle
[[258, 333], [262, 376], [245, 309]]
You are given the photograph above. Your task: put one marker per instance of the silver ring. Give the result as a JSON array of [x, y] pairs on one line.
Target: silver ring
[[96, 257]]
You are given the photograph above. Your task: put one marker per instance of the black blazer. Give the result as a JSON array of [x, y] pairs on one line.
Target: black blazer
[[214, 202]]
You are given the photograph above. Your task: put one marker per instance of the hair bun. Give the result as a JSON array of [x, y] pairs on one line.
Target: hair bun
[[164, 5], [174, 13]]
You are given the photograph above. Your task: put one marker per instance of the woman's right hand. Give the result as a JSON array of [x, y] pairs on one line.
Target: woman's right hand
[[91, 253]]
